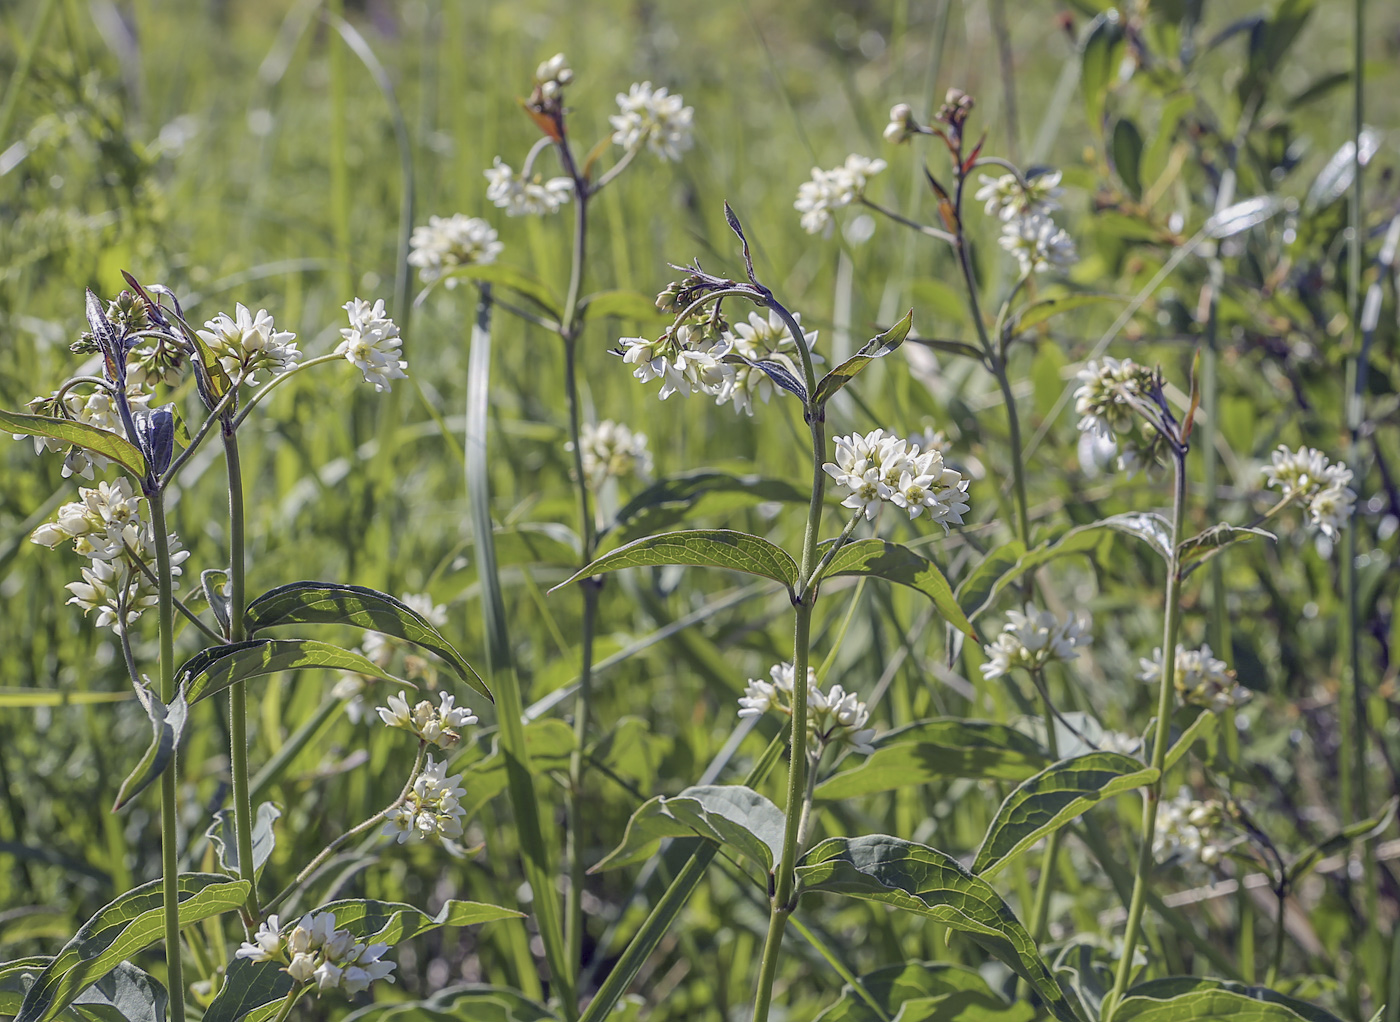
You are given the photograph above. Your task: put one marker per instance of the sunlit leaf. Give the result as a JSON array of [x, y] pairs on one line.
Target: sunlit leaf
[[735, 817], [221, 835], [894, 563], [926, 992], [216, 668], [1200, 548], [709, 548], [1188, 998], [101, 442], [877, 347], [167, 724], [1242, 216]]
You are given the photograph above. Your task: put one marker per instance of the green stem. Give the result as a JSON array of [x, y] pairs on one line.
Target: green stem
[[339, 167], [285, 1008], [277, 381], [169, 823], [238, 691], [1040, 912], [1165, 694], [1276, 961], [300, 738]]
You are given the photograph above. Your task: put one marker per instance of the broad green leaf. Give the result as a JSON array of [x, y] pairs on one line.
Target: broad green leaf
[[1341, 841], [512, 278], [167, 724], [550, 743], [622, 304], [979, 584], [329, 603], [1200, 548], [923, 880], [1035, 313], [216, 668], [895, 563], [877, 347], [977, 593], [1187, 998], [926, 992], [1148, 526], [712, 548], [119, 931], [1098, 61], [126, 994], [221, 835], [470, 1002], [1201, 729], [1127, 155], [733, 816], [79, 434], [1052, 798], [936, 749], [667, 502]]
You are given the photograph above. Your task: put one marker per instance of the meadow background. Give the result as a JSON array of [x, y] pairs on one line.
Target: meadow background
[[195, 144]]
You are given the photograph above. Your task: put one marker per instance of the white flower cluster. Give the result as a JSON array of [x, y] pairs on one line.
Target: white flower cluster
[[1028, 232], [1032, 638], [1038, 243], [104, 524], [436, 725], [1006, 199], [315, 951], [552, 75], [1109, 392], [524, 194], [244, 343], [902, 125], [98, 409], [432, 809], [1117, 741], [1200, 678], [880, 468], [1306, 476], [833, 189], [652, 117], [762, 339], [447, 242], [686, 360], [1189, 830], [834, 717], [612, 451], [372, 343]]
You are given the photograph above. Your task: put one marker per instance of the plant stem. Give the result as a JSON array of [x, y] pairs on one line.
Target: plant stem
[[238, 691], [339, 167], [1165, 694], [1040, 912], [169, 823], [1276, 962]]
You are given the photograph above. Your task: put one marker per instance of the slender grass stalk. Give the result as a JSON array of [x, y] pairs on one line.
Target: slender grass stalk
[[169, 820], [23, 66], [1040, 910], [238, 691], [303, 736], [338, 144], [1165, 694]]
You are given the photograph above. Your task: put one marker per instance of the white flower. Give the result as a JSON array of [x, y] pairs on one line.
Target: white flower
[[878, 468], [762, 339], [432, 808], [838, 716], [1189, 830], [102, 523], [117, 589], [1200, 679], [327, 975], [521, 197], [1306, 476], [97, 409], [833, 189], [447, 242], [1117, 741], [302, 967], [266, 943], [926, 484], [372, 343], [1033, 638], [1006, 200], [434, 725], [901, 125], [245, 343], [1037, 243], [1107, 390], [553, 74], [681, 368], [612, 451], [653, 117], [1330, 509]]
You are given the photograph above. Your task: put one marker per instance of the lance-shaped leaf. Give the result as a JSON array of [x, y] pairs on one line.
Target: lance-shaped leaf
[[622, 304], [1341, 841], [707, 548], [1202, 728], [330, 603], [1200, 548], [959, 348], [254, 990], [1186, 998], [167, 724], [511, 278], [214, 582], [79, 434], [216, 668], [877, 347], [775, 371], [1242, 216], [669, 501], [1052, 798], [121, 930], [221, 835], [1035, 313], [939, 749], [732, 816], [925, 992], [126, 994], [894, 563], [467, 1002], [1007, 563], [1148, 526], [923, 880]]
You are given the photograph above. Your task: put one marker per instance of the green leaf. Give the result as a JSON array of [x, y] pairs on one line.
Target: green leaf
[[550, 743], [669, 501], [216, 380], [711, 548], [980, 584], [221, 835], [510, 277], [211, 671], [877, 347], [937, 749], [79, 434], [1200, 729], [895, 563], [167, 724], [1148, 526], [470, 1002], [126, 994], [774, 370], [920, 879], [959, 348], [979, 590], [330, 603], [1362, 830], [621, 304], [1184, 998], [119, 931], [25, 698], [1127, 155], [1033, 314], [1098, 61], [1242, 216], [1200, 548], [926, 992], [732, 816], [1053, 797], [1087, 968]]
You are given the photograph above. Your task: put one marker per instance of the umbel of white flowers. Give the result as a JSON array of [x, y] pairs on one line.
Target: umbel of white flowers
[[446, 243], [880, 468], [314, 951], [1189, 830], [1108, 401], [834, 717], [612, 451], [1306, 477], [1200, 679], [436, 725], [1032, 638], [245, 343], [654, 118], [834, 189], [432, 808]]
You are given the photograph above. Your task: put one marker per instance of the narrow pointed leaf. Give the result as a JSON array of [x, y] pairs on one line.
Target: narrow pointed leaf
[[96, 441], [167, 725], [330, 603], [1148, 526], [710, 548], [925, 992], [923, 880], [1032, 315], [775, 371], [1242, 216], [221, 835], [1201, 729], [980, 589], [121, 930], [877, 347], [894, 563], [1341, 841], [216, 668], [732, 816], [1200, 548], [1052, 798], [1188, 998], [509, 277]]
